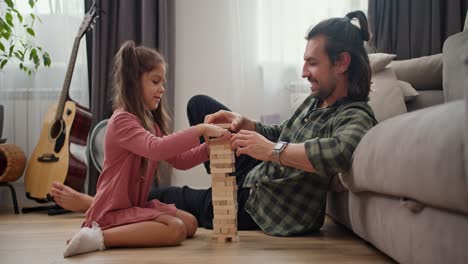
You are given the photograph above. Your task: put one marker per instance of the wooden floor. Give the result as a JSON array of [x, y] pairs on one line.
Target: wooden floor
[[38, 238]]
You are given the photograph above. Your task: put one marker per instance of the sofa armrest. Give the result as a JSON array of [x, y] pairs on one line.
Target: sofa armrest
[[417, 155]]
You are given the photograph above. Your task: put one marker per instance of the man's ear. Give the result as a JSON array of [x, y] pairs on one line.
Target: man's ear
[[342, 62]]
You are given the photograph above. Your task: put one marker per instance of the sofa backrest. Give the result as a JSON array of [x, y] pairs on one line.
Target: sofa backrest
[[454, 71]]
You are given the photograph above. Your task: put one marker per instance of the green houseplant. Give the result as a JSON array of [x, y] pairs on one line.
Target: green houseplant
[[16, 46]]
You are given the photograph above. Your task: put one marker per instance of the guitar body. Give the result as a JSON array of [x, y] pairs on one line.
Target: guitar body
[[51, 160]]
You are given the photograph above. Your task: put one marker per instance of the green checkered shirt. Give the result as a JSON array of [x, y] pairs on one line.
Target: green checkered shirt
[[288, 201]]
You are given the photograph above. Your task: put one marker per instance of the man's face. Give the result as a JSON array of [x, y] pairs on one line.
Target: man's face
[[318, 69]]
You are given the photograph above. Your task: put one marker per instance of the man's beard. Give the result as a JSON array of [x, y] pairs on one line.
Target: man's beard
[[323, 93]]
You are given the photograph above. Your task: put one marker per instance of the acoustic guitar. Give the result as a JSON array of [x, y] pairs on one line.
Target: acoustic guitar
[[65, 124]]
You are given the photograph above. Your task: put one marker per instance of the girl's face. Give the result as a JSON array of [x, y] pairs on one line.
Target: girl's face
[[152, 83]]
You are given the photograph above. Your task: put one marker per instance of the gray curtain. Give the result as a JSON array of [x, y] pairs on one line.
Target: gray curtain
[[147, 22], [414, 28]]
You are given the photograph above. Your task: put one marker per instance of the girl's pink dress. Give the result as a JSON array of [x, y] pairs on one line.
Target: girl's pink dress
[[122, 192]]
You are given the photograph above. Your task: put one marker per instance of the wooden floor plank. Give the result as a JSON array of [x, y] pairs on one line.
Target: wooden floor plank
[[38, 238]]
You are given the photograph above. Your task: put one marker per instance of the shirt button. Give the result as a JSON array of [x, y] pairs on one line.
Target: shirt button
[[306, 120]]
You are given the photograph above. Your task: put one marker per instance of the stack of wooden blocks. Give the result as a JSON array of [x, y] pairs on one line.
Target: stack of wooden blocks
[[224, 190]]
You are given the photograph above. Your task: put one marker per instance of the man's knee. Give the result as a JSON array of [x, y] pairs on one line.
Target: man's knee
[[197, 100]]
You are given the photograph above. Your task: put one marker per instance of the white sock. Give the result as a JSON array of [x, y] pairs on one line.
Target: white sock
[[86, 240]]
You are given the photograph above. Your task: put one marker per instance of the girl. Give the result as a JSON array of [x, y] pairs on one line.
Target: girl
[[120, 215]]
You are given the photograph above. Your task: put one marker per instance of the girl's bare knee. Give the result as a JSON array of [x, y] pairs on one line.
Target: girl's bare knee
[[178, 232], [191, 225]]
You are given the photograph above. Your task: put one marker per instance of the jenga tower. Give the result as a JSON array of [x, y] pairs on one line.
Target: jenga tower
[[224, 190]]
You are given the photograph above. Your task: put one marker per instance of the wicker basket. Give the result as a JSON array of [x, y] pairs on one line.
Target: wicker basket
[[12, 162]]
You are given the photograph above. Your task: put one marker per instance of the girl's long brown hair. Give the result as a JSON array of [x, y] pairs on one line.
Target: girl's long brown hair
[[130, 63]]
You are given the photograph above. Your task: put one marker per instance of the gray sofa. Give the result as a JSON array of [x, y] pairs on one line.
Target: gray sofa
[[407, 192]]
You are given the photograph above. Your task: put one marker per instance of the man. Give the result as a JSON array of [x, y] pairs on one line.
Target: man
[[284, 171]]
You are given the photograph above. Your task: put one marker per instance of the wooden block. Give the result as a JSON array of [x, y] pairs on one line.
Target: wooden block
[[228, 189], [222, 170], [220, 147], [231, 207], [223, 238], [217, 211], [217, 229], [216, 184], [222, 195], [223, 156], [226, 217], [231, 230], [218, 141], [224, 202], [219, 177], [221, 151], [224, 177], [221, 165], [230, 184], [222, 161], [225, 221]]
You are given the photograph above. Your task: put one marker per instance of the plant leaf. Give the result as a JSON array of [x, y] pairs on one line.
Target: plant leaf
[[9, 3], [6, 35], [3, 63], [9, 19], [2, 47], [31, 3], [19, 55], [32, 54], [12, 47], [46, 58], [20, 17], [31, 31]]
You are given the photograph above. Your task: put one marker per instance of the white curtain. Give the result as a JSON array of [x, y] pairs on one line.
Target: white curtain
[[27, 98], [268, 43]]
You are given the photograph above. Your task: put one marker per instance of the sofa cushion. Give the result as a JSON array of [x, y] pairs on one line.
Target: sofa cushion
[[409, 93], [423, 73], [378, 61], [425, 99], [386, 97], [454, 66], [418, 155]]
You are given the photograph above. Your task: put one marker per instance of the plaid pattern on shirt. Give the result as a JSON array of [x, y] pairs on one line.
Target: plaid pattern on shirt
[[288, 201]]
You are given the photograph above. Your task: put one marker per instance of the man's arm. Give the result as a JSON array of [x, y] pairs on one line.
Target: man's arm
[[271, 132], [333, 155], [329, 156], [294, 155]]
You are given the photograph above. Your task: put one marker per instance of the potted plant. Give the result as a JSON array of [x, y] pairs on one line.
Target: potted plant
[[16, 38], [16, 41]]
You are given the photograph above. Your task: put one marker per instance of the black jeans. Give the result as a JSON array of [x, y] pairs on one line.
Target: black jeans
[[199, 202]]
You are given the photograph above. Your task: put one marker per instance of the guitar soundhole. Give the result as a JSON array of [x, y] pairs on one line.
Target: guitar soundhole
[[56, 129]]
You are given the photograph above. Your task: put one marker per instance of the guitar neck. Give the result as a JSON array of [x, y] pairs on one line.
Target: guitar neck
[[68, 77]]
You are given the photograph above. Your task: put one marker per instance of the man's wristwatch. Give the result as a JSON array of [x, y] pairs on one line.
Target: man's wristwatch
[[279, 147]]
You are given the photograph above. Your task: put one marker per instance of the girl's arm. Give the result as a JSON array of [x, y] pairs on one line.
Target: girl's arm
[[130, 135], [190, 158]]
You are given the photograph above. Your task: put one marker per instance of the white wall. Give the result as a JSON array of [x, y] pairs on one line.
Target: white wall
[[204, 64]]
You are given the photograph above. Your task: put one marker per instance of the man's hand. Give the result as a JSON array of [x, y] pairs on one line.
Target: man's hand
[[252, 144], [236, 120]]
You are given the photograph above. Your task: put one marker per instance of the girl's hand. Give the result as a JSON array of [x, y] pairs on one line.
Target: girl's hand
[[237, 121], [208, 130]]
